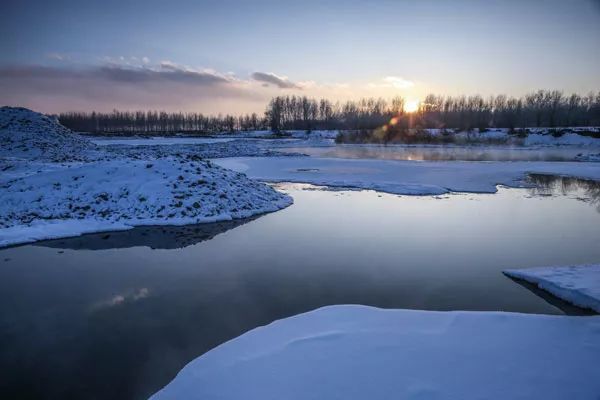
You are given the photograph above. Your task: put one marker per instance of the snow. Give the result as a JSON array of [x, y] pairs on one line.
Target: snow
[[55, 184], [157, 141], [233, 148], [535, 136], [403, 177], [357, 352], [595, 157], [297, 134], [579, 285], [30, 135], [568, 139], [113, 195], [570, 136]]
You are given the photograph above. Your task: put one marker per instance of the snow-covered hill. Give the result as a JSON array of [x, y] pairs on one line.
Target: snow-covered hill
[[55, 184], [31, 135]]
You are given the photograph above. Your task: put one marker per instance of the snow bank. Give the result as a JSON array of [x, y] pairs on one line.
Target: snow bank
[[113, 195], [404, 177], [579, 285], [31, 135], [55, 184], [568, 139], [357, 352]]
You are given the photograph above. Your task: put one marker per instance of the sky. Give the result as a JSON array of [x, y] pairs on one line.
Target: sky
[[233, 56]]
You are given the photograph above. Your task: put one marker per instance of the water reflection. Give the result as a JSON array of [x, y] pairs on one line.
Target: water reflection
[[155, 237], [552, 185]]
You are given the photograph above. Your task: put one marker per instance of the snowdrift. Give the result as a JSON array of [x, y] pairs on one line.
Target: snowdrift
[[124, 193], [31, 135], [357, 352], [56, 184]]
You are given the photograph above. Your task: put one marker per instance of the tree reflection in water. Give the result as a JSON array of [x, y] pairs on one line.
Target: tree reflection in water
[[553, 185]]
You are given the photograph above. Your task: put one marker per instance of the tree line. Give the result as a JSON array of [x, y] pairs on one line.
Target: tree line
[[544, 108], [149, 122]]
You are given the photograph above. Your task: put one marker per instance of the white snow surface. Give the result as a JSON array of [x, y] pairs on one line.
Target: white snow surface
[[404, 177], [54, 183], [157, 141], [27, 134], [579, 284], [357, 352], [568, 139], [589, 157], [297, 134], [119, 194]]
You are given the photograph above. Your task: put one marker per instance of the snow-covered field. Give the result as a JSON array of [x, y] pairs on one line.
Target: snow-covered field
[[156, 141], [56, 184], [312, 135], [357, 352], [579, 285], [403, 177]]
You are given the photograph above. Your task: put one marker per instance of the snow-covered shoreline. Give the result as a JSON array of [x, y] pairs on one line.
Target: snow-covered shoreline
[[358, 352]]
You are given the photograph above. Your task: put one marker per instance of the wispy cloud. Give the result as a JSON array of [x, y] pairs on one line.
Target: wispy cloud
[[396, 82], [57, 57], [270, 78]]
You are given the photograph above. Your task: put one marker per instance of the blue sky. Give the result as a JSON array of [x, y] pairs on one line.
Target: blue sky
[[320, 48]]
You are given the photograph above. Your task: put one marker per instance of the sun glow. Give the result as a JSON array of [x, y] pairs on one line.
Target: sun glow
[[411, 106]]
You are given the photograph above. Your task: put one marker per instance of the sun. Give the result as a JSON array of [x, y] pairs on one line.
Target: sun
[[411, 106]]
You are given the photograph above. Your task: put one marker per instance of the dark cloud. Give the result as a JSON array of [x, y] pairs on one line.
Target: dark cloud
[[270, 78], [170, 73], [167, 86]]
